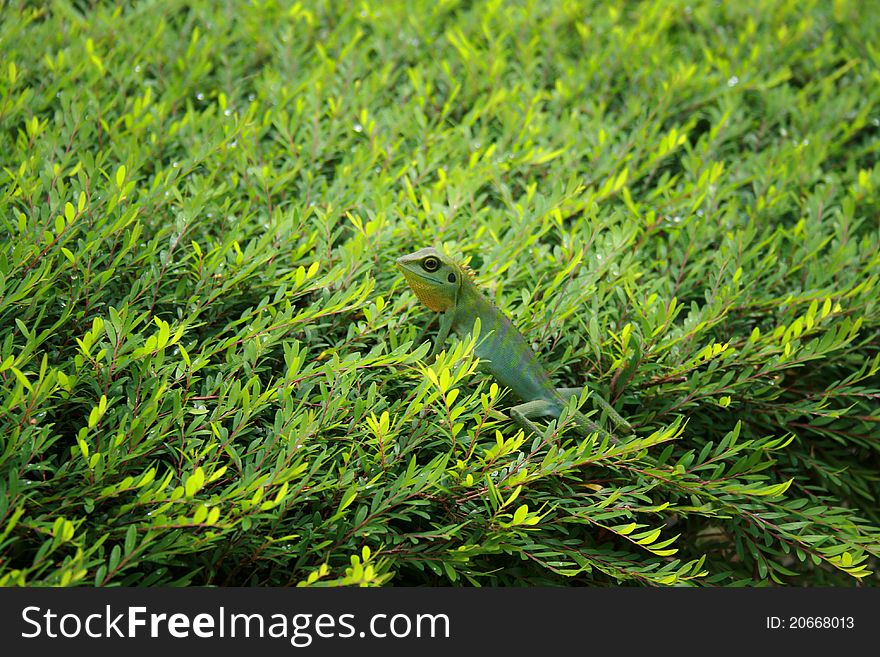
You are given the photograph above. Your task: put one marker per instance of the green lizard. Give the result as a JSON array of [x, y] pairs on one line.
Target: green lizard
[[449, 289]]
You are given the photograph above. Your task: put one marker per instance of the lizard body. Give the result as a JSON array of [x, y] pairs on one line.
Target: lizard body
[[448, 288]]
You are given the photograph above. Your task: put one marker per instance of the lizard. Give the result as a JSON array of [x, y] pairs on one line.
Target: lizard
[[448, 288]]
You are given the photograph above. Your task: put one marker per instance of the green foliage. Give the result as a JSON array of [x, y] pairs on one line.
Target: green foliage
[[208, 365]]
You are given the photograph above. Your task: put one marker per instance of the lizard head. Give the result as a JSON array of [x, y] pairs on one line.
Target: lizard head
[[434, 277]]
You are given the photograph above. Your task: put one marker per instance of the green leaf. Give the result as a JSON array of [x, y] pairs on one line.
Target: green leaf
[[194, 482]]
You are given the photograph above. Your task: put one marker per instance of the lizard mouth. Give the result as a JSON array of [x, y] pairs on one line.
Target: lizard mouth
[[425, 289]]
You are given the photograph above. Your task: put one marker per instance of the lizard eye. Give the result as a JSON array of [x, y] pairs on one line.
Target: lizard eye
[[431, 264]]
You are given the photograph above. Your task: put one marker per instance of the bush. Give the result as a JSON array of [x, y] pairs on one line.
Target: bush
[[209, 367]]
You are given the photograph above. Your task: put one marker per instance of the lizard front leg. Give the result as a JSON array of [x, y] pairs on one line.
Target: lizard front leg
[[423, 334], [443, 333]]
